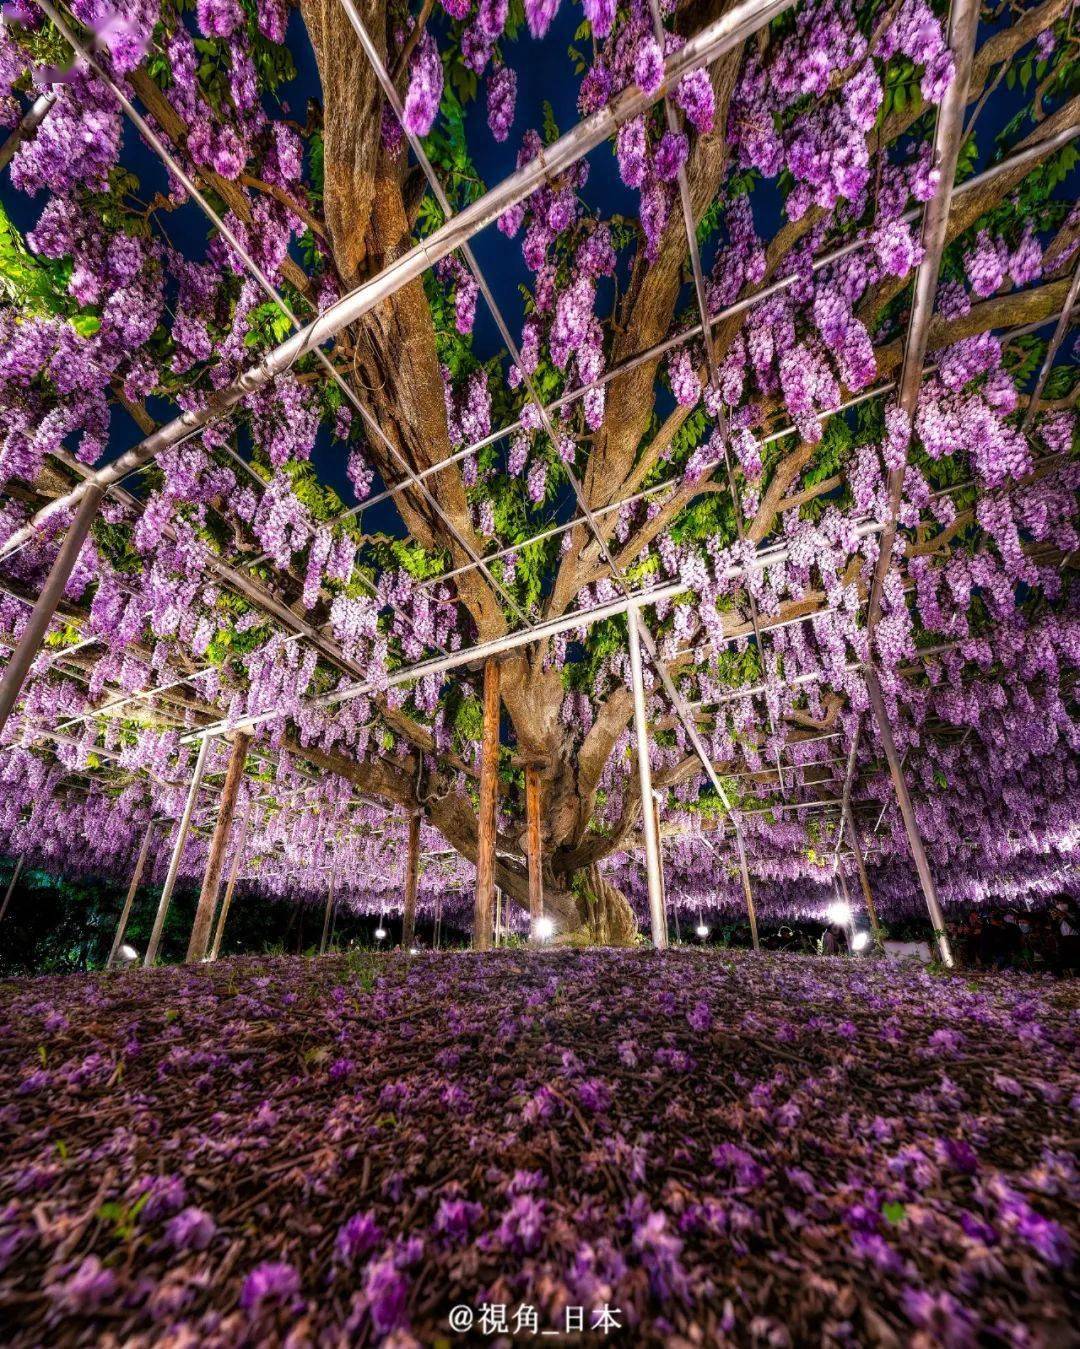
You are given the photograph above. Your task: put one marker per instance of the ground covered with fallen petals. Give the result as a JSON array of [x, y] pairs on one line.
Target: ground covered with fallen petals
[[716, 1147]]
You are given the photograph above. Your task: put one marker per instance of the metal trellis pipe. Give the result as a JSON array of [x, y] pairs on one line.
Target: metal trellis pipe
[[657, 921], [25, 653], [174, 862], [511, 641]]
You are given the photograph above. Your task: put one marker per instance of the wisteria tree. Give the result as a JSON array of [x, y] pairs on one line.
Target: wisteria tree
[[815, 137]]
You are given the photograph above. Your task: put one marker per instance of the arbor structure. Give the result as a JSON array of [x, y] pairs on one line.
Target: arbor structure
[[788, 394]]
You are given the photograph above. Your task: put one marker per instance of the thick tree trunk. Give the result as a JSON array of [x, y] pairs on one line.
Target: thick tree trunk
[[606, 916]]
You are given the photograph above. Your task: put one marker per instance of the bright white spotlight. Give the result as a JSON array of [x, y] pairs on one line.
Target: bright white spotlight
[[127, 955], [380, 933], [840, 912], [545, 929], [860, 941], [414, 950], [702, 930]]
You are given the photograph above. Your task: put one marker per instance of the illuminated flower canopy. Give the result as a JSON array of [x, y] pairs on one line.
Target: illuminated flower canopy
[[187, 186]]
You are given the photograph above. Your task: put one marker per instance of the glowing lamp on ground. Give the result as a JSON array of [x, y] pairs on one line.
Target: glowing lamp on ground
[[860, 941], [702, 930], [839, 913], [380, 933], [545, 929]]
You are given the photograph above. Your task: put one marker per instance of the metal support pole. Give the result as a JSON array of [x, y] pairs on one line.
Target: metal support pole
[[864, 881], [24, 655], [204, 914], [136, 880], [326, 916], [498, 915], [238, 856], [963, 22], [412, 880], [333, 922], [489, 786], [751, 912], [918, 851], [178, 848], [660, 860], [1051, 351], [11, 886], [533, 846], [32, 119], [648, 816]]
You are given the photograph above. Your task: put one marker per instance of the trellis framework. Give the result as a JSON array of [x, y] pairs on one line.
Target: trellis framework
[[455, 234]]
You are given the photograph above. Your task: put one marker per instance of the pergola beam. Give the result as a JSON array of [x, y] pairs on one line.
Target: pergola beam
[[907, 810], [29, 123], [1056, 340], [513, 640], [11, 885], [948, 132], [324, 940], [272, 292]]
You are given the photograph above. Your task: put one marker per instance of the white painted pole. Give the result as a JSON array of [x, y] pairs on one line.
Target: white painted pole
[[178, 848], [648, 815]]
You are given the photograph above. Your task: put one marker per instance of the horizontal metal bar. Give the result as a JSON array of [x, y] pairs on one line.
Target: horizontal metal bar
[[511, 641]]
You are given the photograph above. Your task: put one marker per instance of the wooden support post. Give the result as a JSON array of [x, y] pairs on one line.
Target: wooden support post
[[136, 881], [532, 846], [178, 849], [204, 914], [864, 881], [412, 881], [489, 788], [498, 915], [325, 939], [911, 825], [11, 886], [52, 592], [234, 871]]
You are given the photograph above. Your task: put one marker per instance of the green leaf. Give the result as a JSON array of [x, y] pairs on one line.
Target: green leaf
[[86, 325], [893, 1212], [551, 127]]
